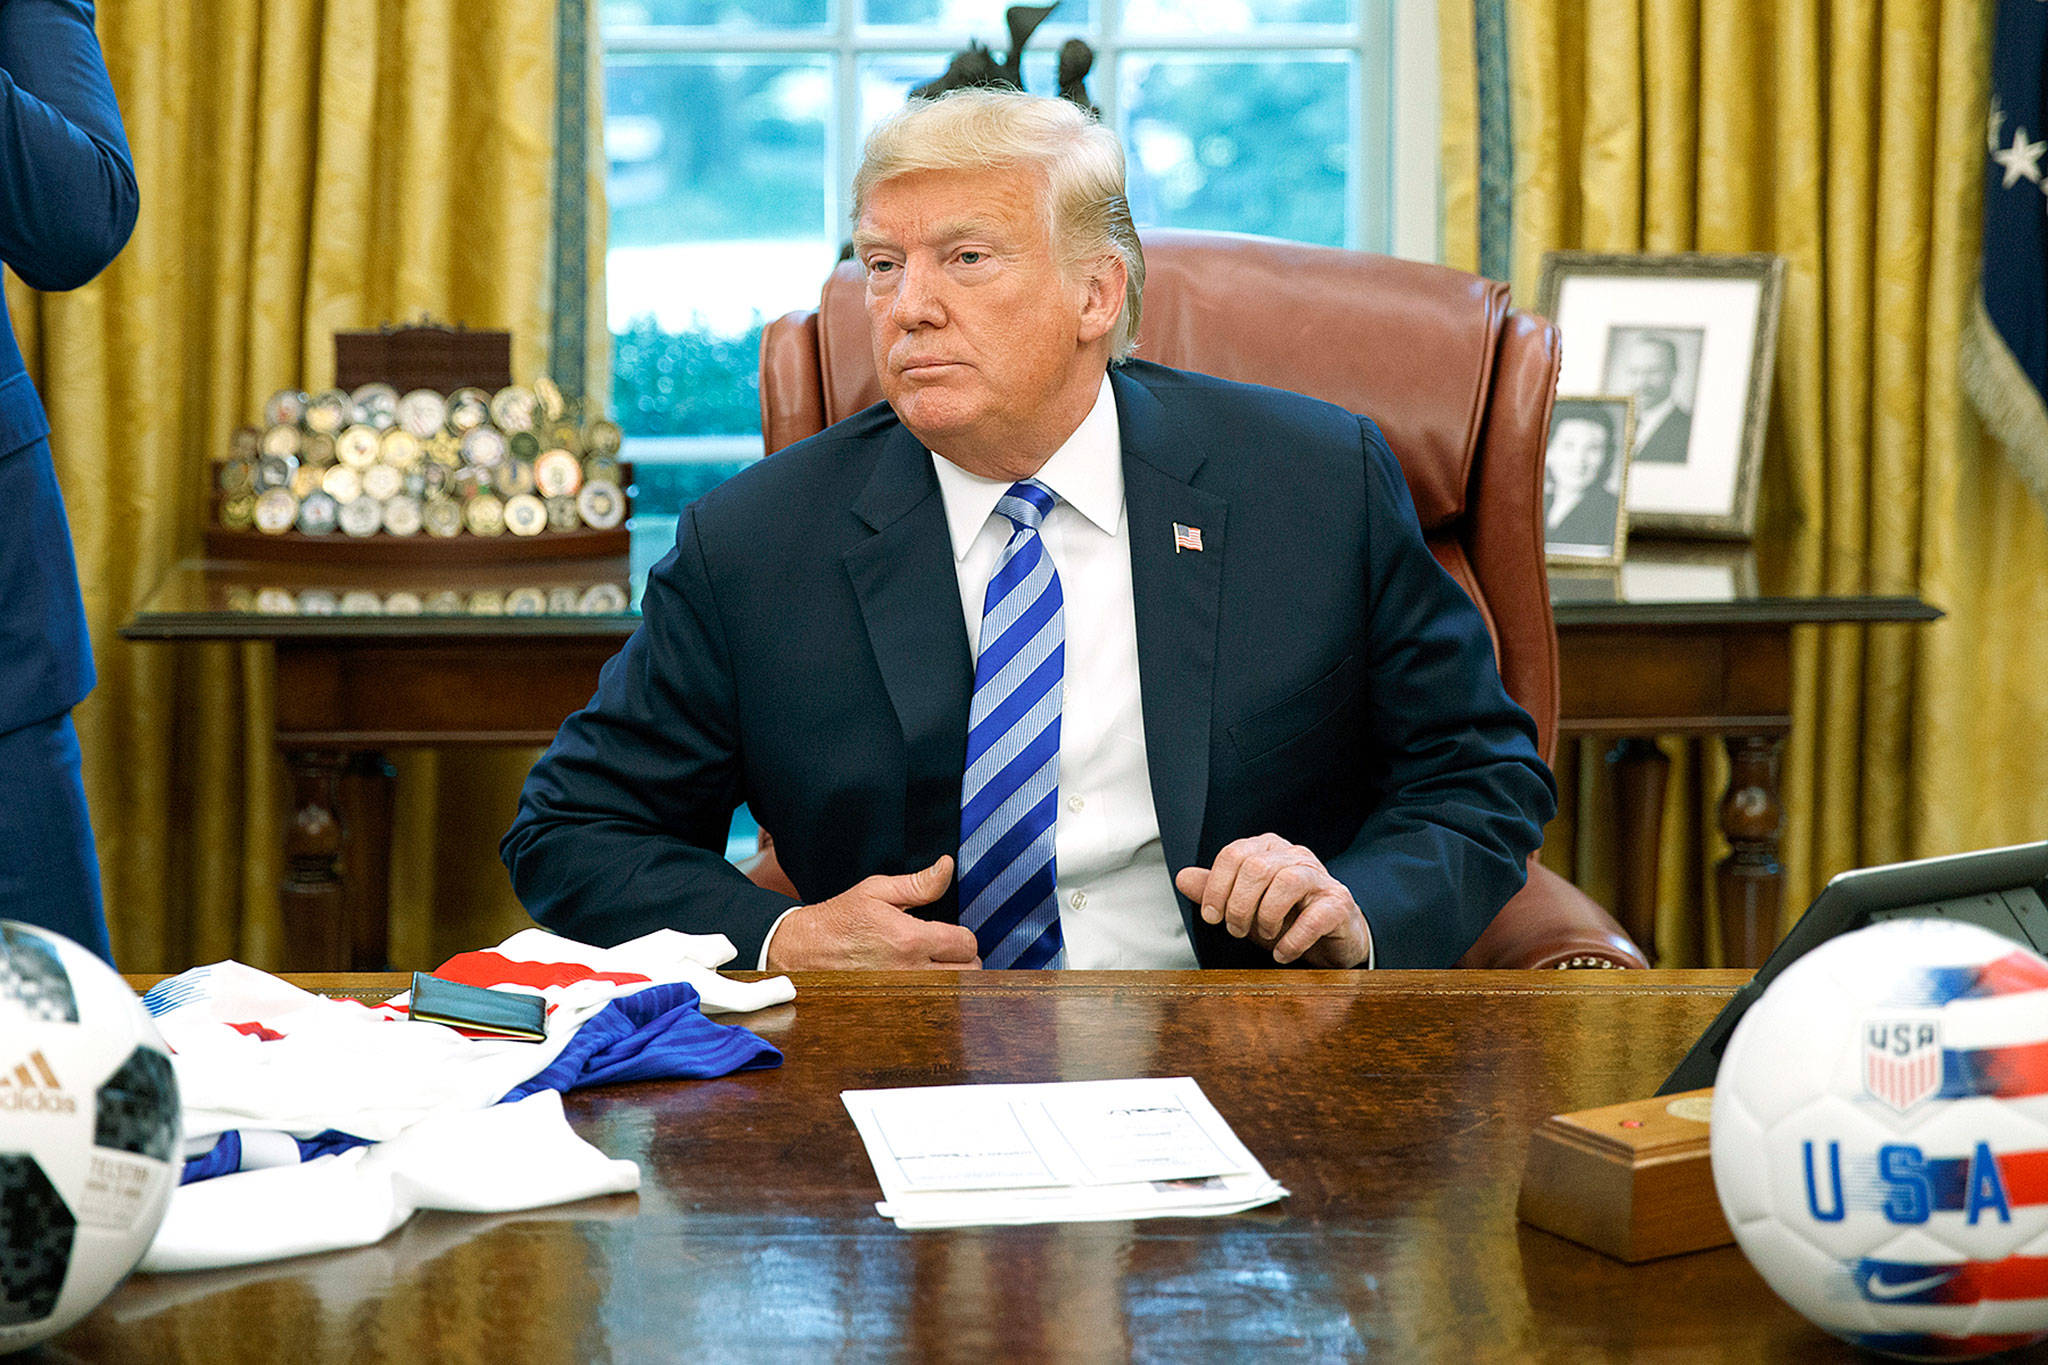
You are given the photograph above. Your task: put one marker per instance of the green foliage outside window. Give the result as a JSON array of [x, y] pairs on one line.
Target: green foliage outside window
[[693, 383]]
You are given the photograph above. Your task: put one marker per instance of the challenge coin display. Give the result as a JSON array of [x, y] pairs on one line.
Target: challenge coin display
[[518, 471]]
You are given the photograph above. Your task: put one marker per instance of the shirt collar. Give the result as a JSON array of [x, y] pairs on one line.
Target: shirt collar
[[1087, 473]]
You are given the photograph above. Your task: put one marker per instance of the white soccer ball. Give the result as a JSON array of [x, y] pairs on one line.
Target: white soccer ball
[[88, 1133], [1880, 1139]]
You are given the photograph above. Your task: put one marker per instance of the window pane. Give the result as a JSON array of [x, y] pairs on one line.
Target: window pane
[[732, 14], [717, 189], [981, 20], [887, 79], [1253, 145], [1231, 16]]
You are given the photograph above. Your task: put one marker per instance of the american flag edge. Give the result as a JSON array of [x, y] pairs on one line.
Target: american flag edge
[[2004, 351]]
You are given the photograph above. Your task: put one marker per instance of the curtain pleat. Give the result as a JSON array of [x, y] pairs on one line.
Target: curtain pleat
[[1846, 137], [305, 167]]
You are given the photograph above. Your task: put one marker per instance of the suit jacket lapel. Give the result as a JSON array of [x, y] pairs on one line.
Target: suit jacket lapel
[[1178, 599], [910, 600]]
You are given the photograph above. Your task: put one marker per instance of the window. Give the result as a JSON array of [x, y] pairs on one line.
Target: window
[[732, 128]]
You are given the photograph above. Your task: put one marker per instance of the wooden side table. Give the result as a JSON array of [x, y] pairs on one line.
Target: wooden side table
[[1659, 653], [1642, 654]]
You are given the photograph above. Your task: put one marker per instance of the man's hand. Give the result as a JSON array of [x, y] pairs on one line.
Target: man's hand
[[866, 928], [1281, 897]]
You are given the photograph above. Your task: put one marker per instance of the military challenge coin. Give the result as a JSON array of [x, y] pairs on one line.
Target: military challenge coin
[[328, 412], [285, 408], [402, 516], [512, 478], [280, 440], [381, 481], [548, 397], [276, 511], [443, 517], [557, 474], [274, 471], [484, 447], [399, 448], [601, 505], [376, 405], [423, 413], [484, 515], [357, 447], [513, 408], [444, 450], [362, 516], [318, 514], [604, 437], [341, 483], [468, 408], [525, 515]]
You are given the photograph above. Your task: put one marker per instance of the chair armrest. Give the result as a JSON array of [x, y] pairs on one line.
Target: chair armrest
[[764, 869], [1551, 923]]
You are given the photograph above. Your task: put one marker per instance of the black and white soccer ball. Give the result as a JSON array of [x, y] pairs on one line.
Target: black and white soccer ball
[[88, 1133]]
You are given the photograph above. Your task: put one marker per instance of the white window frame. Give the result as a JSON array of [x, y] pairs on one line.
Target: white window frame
[[1398, 212]]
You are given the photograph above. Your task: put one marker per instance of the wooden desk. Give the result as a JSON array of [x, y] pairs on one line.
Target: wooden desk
[[1396, 1107], [1683, 645]]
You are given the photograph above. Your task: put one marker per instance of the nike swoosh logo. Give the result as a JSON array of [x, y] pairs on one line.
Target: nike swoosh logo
[[1882, 1289]]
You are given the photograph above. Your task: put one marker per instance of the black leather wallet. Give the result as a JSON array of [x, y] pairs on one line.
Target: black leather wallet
[[506, 1014]]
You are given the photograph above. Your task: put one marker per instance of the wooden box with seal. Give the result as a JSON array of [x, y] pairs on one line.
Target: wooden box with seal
[[1631, 1180]]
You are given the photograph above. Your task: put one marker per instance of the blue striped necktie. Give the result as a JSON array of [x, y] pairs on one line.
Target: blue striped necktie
[[1009, 794]]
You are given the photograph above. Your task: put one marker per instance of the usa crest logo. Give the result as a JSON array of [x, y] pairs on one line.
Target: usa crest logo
[[1902, 1061]]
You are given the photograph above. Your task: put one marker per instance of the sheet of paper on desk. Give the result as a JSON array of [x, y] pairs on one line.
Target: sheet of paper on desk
[[972, 1155]]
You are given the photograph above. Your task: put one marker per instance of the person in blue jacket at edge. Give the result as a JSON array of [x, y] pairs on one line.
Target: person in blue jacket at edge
[[67, 204]]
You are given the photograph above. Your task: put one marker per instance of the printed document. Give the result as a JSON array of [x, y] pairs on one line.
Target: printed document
[[969, 1155]]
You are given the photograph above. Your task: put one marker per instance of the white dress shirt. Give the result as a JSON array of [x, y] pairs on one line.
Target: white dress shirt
[[1116, 898]]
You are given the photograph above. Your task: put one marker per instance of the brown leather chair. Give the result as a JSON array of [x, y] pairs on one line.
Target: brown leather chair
[[1460, 383]]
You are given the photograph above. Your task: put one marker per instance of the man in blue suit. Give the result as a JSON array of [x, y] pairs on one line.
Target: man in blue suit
[[1159, 665], [67, 205]]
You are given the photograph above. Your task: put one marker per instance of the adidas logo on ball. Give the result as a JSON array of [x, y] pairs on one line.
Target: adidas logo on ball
[[34, 1088]]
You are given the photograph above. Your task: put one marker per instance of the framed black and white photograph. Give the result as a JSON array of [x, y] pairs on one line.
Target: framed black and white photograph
[[1585, 479], [1692, 339]]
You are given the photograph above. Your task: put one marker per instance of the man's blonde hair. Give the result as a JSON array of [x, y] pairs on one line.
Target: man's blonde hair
[[974, 129]]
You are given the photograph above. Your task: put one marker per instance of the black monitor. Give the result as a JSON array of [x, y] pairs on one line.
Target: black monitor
[[2003, 889]]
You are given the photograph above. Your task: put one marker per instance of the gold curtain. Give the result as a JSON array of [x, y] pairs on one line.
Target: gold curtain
[[1847, 137], [305, 166]]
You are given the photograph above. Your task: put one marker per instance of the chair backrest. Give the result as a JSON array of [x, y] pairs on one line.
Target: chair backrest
[[1460, 383]]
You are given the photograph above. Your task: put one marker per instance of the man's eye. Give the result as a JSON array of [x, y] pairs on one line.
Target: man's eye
[[973, 257], [878, 267]]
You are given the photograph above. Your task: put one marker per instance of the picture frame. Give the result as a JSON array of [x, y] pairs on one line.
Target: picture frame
[[1694, 339], [1586, 458]]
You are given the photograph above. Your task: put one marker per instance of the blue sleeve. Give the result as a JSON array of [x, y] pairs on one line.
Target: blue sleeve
[[67, 184], [1464, 794], [622, 824]]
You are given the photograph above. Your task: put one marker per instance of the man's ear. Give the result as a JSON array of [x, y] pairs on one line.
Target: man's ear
[[1102, 296]]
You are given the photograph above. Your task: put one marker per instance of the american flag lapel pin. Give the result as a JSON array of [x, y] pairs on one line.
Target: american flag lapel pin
[[1187, 538]]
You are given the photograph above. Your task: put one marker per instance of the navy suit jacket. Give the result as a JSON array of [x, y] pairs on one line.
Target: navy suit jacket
[[1311, 672], [67, 205]]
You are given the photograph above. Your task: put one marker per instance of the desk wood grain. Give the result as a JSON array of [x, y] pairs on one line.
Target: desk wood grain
[[1395, 1106]]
